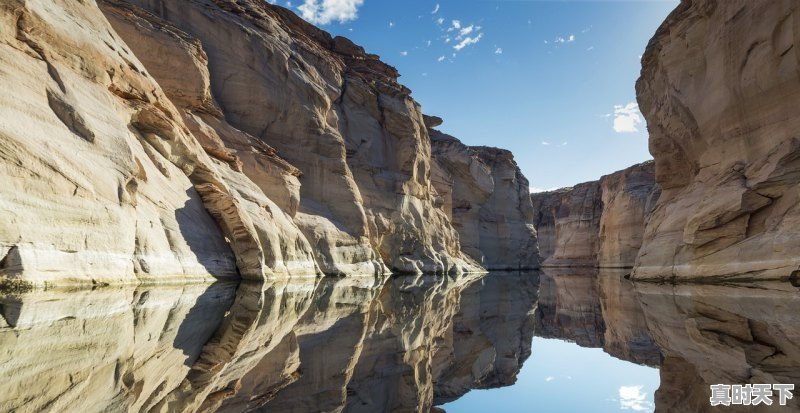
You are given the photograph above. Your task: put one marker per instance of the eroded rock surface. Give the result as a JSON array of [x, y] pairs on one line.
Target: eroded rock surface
[[336, 114], [719, 89], [487, 198]]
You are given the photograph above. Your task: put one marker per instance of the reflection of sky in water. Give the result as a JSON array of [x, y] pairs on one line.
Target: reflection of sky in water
[[564, 377]]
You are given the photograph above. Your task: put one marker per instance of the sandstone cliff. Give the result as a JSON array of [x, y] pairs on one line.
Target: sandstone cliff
[[719, 88], [487, 198], [599, 223], [336, 114], [148, 140]]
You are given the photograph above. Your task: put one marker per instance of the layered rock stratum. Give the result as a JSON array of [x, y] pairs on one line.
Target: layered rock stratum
[[598, 223], [719, 89], [155, 140]]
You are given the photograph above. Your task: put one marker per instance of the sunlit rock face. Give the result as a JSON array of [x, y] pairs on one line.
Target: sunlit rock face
[[484, 193], [718, 88], [83, 350], [722, 334], [628, 198], [599, 223], [336, 114]]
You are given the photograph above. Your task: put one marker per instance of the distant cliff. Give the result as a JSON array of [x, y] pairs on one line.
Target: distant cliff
[[155, 140], [599, 223]]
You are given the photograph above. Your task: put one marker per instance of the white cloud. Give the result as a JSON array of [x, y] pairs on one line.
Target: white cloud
[[627, 118], [404, 53], [440, 59], [435, 9], [549, 378], [391, 24], [633, 398], [561, 40], [468, 41], [440, 21], [498, 50], [326, 11], [456, 24], [465, 31], [545, 143], [428, 43], [590, 48]]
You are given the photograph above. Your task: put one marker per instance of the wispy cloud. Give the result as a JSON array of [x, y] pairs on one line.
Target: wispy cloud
[[627, 118], [440, 21], [329, 11], [498, 50], [633, 398], [549, 378], [440, 59], [468, 41], [435, 9], [561, 40], [391, 24], [404, 53], [545, 143]]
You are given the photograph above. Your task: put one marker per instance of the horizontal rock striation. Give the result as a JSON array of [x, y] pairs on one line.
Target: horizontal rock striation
[[719, 89], [487, 198], [599, 223]]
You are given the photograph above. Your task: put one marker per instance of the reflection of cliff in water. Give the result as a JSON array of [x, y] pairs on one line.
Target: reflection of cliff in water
[[355, 344], [697, 335]]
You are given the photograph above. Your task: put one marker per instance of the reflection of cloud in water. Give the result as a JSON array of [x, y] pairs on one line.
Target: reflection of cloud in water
[[633, 398]]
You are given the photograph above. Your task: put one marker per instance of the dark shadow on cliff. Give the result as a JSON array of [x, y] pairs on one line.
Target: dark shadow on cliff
[[205, 238]]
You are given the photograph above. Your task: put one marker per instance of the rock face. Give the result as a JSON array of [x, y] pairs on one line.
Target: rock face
[[103, 181], [718, 88], [599, 223], [628, 198], [148, 140], [336, 114], [570, 218], [487, 198]]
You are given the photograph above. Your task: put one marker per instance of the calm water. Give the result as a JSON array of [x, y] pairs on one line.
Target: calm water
[[568, 340]]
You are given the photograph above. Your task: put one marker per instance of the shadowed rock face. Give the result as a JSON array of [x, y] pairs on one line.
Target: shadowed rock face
[[718, 88], [487, 198], [599, 223], [354, 344]]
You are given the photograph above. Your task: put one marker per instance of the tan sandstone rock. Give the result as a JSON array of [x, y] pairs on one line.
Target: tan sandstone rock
[[487, 198], [339, 116], [719, 89]]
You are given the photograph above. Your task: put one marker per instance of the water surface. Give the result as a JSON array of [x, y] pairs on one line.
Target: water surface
[[562, 340]]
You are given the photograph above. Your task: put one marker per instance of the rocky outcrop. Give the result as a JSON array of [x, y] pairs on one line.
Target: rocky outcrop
[[718, 88], [336, 114], [484, 193], [599, 223]]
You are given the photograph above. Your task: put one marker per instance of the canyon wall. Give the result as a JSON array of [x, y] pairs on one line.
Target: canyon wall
[[598, 223], [151, 140], [488, 201], [719, 89]]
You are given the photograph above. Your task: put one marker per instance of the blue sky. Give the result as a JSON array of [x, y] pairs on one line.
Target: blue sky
[[553, 81], [564, 377]]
